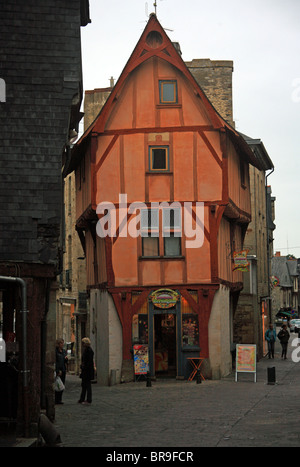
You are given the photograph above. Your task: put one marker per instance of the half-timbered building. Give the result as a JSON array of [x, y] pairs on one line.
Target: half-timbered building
[[163, 201]]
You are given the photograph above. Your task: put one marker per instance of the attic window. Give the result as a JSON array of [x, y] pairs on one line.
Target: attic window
[[154, 39], [168, 92]]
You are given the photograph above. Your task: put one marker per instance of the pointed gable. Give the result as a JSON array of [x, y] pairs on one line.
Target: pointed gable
[[155, 51]]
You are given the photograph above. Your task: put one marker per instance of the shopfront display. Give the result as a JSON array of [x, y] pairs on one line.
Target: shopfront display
[[167, 325]]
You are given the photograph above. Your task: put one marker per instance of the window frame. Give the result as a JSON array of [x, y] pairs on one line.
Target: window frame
[[161, 91], [167, 155], [160, 232]]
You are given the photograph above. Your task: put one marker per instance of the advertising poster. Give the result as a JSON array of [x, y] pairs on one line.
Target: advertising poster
[[245, 359], [141, 359]]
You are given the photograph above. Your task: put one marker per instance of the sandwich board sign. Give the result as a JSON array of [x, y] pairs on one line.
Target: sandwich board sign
[[141, 359], [245, 359]]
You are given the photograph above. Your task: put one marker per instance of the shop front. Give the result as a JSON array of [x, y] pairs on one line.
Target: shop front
[[168, 327]]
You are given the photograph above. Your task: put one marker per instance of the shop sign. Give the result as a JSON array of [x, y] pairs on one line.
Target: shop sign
[[164, 298], [240, 260]]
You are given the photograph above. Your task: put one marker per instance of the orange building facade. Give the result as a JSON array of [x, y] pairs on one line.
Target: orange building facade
[[163, 202]]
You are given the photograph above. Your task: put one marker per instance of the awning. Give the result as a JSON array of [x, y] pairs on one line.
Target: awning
[[287, 314]]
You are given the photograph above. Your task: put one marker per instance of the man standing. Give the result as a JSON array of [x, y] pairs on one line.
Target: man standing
[[270, 337]]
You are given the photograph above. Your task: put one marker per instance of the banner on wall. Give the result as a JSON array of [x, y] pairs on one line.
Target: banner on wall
[[240, 261]]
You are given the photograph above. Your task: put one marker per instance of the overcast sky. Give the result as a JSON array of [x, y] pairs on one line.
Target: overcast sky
[[262, 37]]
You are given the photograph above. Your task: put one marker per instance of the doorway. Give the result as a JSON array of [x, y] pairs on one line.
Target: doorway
[[165, 348]]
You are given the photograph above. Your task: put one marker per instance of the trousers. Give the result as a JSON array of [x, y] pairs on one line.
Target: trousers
[[86, 390]]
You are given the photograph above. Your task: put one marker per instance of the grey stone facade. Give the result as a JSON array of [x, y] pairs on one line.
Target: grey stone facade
[[41, 67]]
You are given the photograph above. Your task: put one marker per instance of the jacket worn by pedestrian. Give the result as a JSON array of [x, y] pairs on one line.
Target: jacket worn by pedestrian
[[87, 364], [270, 335], [61, 360], [283, 336]]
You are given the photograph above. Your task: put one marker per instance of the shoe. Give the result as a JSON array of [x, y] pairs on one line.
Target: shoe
[[85, 403]]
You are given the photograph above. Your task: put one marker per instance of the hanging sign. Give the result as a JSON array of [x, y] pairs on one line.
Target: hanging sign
[[240, 260], [274, 281], [245, 359], [141, 359], [164, 298]]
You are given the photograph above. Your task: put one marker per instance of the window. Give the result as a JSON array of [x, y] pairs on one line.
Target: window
[[168, 92], [159, 158], [150, 232], [172, 245], [171, 232]]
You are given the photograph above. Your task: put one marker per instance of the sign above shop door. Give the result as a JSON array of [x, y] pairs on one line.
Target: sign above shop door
[[164, 298]]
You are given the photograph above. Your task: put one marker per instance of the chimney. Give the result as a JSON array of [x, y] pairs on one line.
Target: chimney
[[277, 253], [215, 78]]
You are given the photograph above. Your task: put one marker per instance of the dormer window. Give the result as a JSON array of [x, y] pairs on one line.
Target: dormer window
[[168, 92]]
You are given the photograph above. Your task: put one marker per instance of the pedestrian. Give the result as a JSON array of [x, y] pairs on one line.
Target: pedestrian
[[284, 337], [270, 337], [60, 367], [87, 372]]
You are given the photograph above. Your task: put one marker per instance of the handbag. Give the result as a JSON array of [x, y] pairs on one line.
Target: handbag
[[58, 384]]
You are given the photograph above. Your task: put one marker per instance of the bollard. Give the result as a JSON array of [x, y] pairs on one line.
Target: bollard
[[271, 375], [48, 431], [148, 379], [198, 377]]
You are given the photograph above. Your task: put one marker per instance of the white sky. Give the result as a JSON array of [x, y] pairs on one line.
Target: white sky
[[262, 37]]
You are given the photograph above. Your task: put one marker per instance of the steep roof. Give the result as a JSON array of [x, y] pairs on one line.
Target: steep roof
[[284, 269], [260, 152], [155, 42]]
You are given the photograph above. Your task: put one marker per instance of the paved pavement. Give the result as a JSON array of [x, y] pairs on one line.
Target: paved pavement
[[182, 414]]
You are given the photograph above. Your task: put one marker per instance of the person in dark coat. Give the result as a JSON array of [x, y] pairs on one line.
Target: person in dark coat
[[60, 367], [270, 337], [284, 337], [87, 372]]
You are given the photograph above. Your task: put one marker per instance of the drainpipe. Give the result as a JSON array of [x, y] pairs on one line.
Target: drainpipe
[[268, 251], [24, 311]]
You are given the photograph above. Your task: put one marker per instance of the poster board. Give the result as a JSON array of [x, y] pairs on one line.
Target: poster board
[[141, 359], [245, 359]]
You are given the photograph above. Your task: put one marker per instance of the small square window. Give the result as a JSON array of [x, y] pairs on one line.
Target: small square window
[[168, 92], [172, 245], [159, 158], [150, 246]]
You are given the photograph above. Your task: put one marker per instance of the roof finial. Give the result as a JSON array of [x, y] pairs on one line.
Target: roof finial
[[155, 7]]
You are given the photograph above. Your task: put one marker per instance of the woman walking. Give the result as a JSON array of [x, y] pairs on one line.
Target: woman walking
[[87, 372], [284, 337]]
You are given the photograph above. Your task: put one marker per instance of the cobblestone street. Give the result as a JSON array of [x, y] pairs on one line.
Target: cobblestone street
[[185, 414]]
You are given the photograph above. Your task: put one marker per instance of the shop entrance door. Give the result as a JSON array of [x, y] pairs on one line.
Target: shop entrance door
[[165, 345]]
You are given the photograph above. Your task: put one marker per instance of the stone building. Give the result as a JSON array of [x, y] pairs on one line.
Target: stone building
[[41, 67], [285, 286], [72, 323], [253, 313]]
